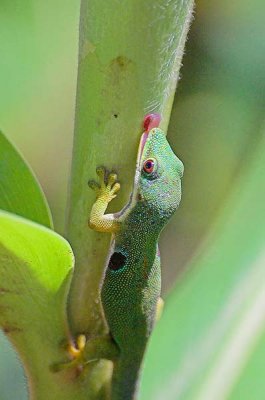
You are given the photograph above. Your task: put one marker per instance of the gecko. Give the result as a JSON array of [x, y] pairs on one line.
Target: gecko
[[131, 287]]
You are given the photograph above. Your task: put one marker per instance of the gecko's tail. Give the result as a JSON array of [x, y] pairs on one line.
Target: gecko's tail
[[125, 379]]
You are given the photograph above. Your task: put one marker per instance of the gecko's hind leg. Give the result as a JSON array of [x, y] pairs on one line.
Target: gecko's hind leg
[[159, 309], [85, 351]]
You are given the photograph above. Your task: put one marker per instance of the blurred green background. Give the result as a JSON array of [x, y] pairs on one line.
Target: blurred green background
[[210, 341]]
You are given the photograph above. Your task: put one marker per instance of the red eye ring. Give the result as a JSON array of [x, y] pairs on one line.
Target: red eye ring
[[148, 166]]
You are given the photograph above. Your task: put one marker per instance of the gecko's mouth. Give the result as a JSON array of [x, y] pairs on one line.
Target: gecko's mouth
[[143, 140], [150, 121], [141, 147]]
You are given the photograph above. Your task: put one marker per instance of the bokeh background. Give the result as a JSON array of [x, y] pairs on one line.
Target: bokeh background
[[210, 343]]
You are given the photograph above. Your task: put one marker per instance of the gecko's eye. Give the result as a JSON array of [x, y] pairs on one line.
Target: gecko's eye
[[149, 166]]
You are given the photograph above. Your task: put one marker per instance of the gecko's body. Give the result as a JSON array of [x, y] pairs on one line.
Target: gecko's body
[[132, 282], [129, 300]]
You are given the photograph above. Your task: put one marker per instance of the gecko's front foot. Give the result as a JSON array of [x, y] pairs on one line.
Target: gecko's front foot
[[108, 186], [106, 190]]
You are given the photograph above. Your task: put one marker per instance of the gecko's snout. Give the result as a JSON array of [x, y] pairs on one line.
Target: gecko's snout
[[151, 121]]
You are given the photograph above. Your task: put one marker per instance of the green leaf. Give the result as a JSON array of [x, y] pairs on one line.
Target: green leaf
[[212, 146], [214, 319], [20, 192], [35, 267]]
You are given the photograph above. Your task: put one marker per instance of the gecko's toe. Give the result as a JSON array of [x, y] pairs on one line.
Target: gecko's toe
[[93, 185], [112, 178], [115, 188], [101, 172]]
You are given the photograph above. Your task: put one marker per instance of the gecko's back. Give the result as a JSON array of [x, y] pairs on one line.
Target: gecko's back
[[132, 283], [130, 293]]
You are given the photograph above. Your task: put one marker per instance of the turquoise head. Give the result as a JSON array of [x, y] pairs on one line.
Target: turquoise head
[[158, 176]]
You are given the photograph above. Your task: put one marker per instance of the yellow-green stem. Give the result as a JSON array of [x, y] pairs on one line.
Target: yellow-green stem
[[129, 58]]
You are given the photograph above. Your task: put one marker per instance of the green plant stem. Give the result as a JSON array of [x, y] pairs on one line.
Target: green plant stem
[[129, 58]]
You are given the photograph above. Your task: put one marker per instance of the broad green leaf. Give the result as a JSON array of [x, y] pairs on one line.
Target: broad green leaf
[[214, 319], [212, 146], [20, 192], [35, 267], [251, 384]]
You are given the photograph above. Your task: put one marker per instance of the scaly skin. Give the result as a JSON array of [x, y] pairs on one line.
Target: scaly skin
[[132, 284]]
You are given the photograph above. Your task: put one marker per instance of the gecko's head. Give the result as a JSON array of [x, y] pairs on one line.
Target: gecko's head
[[159, 173]]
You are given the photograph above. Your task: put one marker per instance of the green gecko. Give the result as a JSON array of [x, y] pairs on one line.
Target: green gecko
[[131, 287]]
